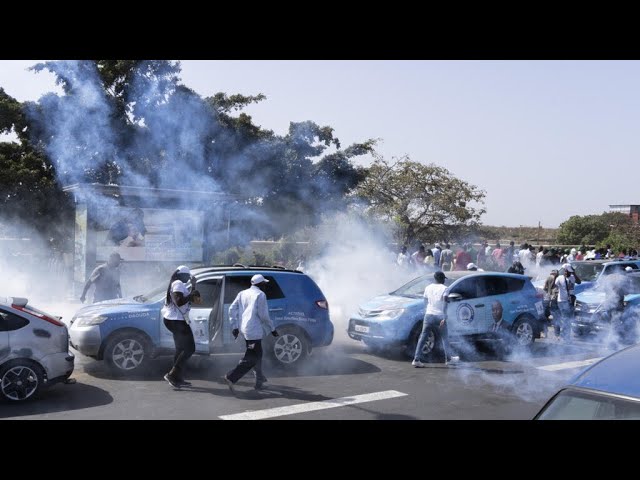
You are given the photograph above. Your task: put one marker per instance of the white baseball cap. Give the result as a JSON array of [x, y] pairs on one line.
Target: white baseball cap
[[568, 267], [184, 269], [628, 269], [256, 279], [471, 265]]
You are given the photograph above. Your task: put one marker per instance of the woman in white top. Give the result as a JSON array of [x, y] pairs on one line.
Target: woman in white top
[[175, 314]]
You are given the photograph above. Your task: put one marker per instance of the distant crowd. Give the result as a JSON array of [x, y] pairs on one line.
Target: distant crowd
[[498, 258]]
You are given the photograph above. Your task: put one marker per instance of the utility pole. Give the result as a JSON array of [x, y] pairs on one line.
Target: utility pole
[[539, 231]]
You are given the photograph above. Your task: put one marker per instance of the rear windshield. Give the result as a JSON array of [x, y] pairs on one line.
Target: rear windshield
[[572, 405], [587, 272]]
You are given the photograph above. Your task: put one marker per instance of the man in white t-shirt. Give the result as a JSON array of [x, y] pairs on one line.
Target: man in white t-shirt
[[434, 320]]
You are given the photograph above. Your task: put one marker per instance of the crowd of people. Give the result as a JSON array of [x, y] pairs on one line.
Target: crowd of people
[[500, 258]]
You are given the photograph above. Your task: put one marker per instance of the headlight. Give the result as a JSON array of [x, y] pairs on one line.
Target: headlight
[[390, 314], [90, 320]]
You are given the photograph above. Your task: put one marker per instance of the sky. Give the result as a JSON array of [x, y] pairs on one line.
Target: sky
[[544, 139]]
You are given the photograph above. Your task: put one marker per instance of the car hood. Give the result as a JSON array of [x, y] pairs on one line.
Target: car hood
[[116, 306], [595, 297], [391, 302]]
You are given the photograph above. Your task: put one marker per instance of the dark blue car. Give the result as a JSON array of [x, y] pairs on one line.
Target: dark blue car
[[607, 390], [127, 332]]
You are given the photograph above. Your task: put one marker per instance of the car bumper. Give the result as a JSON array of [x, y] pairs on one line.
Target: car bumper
[[59, 366], [588, 322], [360, 329], [86, 340]]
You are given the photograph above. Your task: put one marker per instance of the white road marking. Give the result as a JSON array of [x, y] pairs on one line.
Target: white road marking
[[313, 406], [566, 365]]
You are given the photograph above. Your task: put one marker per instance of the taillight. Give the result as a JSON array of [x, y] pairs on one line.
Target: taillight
[[39, 315], [323, 304]]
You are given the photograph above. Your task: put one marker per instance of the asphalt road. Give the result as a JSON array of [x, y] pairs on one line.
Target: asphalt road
[[342, 382]]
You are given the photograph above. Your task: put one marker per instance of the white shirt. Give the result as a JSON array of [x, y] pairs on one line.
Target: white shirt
[[539, 258], [565, 287], [173, 311], [434, 296], [403, 259], [250, 311]]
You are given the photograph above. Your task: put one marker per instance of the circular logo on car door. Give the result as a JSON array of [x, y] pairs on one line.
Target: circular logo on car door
[[465, 313]]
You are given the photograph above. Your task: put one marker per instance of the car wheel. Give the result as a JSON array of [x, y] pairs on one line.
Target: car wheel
[[580, 332], [524, 331], [20, 380], [431, 346], [127, 352], [289, 349]]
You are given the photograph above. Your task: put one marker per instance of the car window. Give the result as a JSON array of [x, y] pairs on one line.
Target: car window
[[469, 288], [209, 291], [514, 284], [234, 284], [10, 322], [495, 285], [618, 268], [571, 405], [586, 271]]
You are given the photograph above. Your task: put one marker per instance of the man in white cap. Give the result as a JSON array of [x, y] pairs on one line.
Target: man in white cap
[[472, 267], [248, 314], [436, 250]]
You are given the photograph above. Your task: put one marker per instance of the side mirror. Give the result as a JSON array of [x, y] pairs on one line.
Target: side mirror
[[454, 297]]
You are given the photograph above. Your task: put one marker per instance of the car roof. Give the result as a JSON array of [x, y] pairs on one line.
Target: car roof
[[617, 374], [241, 268], [621, 262], [499, 274]]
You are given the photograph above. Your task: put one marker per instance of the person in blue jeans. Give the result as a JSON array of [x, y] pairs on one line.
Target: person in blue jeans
[[434, 317]]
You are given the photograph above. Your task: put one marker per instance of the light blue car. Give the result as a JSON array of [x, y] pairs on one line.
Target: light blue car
[[396, 318]]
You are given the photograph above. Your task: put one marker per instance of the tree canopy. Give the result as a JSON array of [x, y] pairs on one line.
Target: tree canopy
[[426, 202]]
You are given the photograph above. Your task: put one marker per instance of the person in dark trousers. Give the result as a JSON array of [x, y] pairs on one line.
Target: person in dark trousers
[[175, 313], [106, 279], [249, 314]]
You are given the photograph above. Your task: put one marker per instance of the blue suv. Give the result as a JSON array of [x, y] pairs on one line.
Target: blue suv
[[397, 318], [126, 333]]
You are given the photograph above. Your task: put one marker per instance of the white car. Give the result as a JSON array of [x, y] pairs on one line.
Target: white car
[[34, 350]]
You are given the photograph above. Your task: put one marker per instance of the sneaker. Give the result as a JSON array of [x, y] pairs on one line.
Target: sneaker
[[171, 380], [259, 386], [229, 384], [418, 364], [454, 359]]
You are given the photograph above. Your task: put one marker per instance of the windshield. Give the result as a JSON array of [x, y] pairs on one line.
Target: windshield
[[572, 405], [415, 288], [586, 271], [152, 296]]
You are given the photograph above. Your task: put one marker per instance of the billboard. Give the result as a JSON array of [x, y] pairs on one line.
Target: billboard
[[149, 234]]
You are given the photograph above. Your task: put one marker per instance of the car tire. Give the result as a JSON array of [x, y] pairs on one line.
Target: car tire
[[523, 332], [20, 380], [127, 352], [289, 349], [432, 347], [580, 332]]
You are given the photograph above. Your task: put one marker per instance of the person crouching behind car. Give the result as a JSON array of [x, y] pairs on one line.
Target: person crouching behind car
[[248, 313], [175, 313], [434, 317]]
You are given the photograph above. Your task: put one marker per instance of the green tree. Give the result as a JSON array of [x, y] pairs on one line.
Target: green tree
[[426, 202], [591, 229]]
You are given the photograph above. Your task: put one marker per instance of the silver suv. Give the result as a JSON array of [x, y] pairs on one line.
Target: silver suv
[[34, 350]]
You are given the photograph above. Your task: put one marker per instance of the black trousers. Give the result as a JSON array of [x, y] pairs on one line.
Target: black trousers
[[252, 359], [185, 344]]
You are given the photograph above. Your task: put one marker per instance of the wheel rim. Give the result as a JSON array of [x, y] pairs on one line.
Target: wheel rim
[[524, 333], [128, 354], [429, 344], [288, 348], [19, 383]]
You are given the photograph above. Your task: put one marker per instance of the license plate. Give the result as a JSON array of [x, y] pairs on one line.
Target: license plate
[[540, 308], [362, 329]]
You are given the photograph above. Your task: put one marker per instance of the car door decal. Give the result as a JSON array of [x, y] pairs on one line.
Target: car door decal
[[465, 314]]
